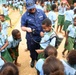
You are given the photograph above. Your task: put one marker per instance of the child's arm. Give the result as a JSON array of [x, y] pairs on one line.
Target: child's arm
[[39, 51], [4, 60], [5, 45]]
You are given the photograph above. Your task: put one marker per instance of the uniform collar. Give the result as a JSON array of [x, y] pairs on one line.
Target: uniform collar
[[37, 11]]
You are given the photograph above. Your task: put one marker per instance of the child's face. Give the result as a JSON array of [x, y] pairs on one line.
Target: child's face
[[1, 18], [42, 5], [74, 22], [18, 36], [74, 4], [46, 28]]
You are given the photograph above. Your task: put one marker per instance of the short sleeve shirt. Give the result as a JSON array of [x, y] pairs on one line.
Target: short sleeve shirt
[[34, 21], [4, 27], [72, 31], [12, 42], [45, 41], [52, 17], [3, 39], [39, 65]]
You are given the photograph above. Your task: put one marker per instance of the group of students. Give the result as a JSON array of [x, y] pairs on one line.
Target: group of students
[[51, 65], [8, 44], [48, 64], [15, 5]]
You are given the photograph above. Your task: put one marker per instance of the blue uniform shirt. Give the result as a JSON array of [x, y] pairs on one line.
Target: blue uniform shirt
[[12, 42], [33, 21]]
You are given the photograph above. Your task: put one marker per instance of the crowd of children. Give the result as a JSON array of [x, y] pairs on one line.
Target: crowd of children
[[47, 62]]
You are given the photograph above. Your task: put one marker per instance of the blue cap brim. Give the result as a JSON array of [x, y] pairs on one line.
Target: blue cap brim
[[31, 7]]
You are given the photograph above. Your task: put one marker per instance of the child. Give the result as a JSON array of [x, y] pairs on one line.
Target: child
[[49, 37], [5, 12], [50, 50], [61, 10], [3, 46], [14, 41], [70, 64], [40, 5], [53, 66], [4, 24], [21, 9], [70, 36], [48, 5], [9, 69], [48, 33], [52, 14], [68, 18]]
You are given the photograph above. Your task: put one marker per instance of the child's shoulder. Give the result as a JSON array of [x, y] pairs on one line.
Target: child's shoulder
[[39, 64], [68, 69], [10, 39]]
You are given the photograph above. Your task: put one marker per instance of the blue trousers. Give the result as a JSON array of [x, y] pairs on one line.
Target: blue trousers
[[32, 46]]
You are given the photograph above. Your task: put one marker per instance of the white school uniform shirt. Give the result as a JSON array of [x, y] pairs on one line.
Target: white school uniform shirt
[[45, 40], [22, 2], [52, 17], [5, 11], [20, 7], [68, 69], [39, 65], [10, 2], [39, 7], [3, 39], [1, 61], [69, 15], [72, 31], [61, 10], [12, 42], [47, 2], [4, 27]]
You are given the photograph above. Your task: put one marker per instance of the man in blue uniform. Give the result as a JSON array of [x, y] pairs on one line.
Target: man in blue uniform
[[31, 23]]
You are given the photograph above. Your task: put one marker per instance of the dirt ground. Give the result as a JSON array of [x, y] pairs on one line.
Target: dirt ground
[[24, 57]]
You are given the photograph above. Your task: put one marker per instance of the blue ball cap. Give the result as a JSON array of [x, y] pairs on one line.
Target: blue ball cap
[[30, 4]]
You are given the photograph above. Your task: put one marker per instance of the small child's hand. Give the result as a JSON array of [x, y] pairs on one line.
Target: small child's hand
[[41, 34], [10, 26]]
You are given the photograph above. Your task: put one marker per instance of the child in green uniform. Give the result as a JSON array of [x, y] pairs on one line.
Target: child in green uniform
[[49, 37], [3, 46], [68, 18], [14, 41], [61, 17], [4, 24], [21, 9], [70, 37], [50, 50], [5, 12]]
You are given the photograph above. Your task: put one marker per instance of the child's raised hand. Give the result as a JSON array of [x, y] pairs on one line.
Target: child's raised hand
[[41, 34]]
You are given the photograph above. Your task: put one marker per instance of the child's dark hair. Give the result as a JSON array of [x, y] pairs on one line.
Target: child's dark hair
[[15, 32], [72, 57], [9, 69], [47, 22], [2, 15], [53, 7], [50, 50], [74, 11], [53, 66], [72, 7], [42, 1], [74, 18]]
